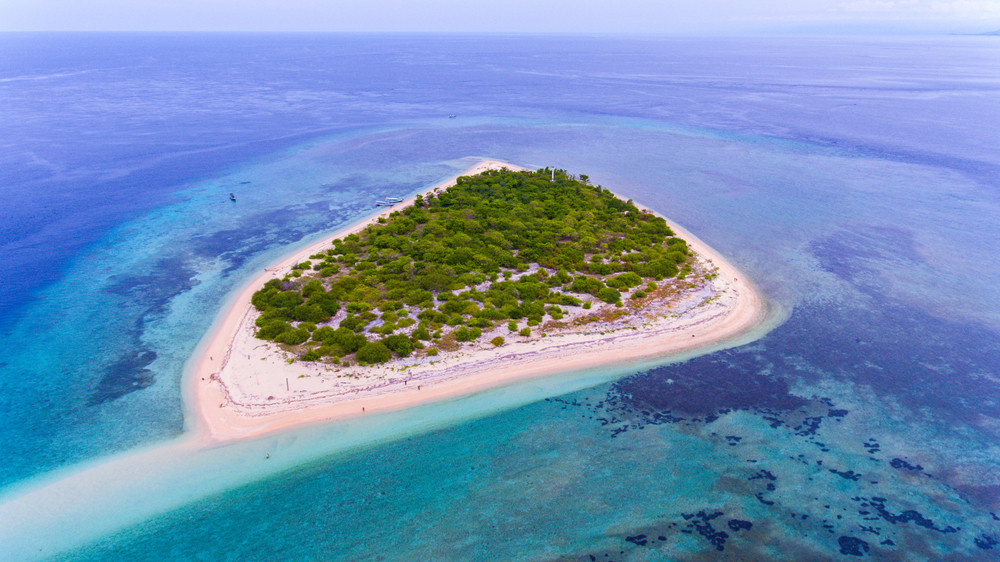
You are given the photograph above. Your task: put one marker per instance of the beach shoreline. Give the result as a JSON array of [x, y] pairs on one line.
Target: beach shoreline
[[228, 400]]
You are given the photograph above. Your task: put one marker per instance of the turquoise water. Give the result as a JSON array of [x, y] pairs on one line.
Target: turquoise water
[[853, 180]]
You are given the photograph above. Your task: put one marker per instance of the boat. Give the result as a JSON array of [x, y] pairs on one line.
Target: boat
[[383, 204], [393, 200], [452, 116], [232, 197]]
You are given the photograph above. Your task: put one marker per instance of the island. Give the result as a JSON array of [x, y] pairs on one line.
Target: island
[[497, 275]]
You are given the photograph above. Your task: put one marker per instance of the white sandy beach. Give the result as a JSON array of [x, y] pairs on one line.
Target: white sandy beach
[[244, 387]]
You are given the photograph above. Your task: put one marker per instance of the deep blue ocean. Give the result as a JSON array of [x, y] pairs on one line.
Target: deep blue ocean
[[855, 180]]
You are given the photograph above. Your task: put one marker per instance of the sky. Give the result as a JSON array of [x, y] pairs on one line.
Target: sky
[[534, 16]]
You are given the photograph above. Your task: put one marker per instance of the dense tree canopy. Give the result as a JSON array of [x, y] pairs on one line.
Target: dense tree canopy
[[501, 246]]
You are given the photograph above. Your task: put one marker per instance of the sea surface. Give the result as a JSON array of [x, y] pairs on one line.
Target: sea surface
[[856, 181]]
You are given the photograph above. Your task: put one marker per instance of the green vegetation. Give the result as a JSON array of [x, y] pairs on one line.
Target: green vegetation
[[496, 248]]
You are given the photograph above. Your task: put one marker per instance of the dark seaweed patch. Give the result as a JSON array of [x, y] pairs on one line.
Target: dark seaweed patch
[[127, 375], [986, 542], [900, 464], [702, 523], [852, 546], [703, 387], [847, 475], [872, 446], [907, 516], [739, 525], [637, 540]]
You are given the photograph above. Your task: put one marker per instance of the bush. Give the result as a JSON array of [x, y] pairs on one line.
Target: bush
[[354, 307], [295, 336], [638, 294], [309, 313], [629, 279], [373, 352], [480, 323], [609, 295], [497, 341], [587, 305], [467, 334], [399, 344], [312, 355], [525, 332], [272, 329], [512, 326], [432, 352], [343, 338], [322, 333]]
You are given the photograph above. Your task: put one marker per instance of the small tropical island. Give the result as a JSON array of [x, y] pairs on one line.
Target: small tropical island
[[499, 274]]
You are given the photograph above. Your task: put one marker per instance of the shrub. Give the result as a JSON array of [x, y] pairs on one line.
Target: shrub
[[354, 307], [497, 341], [295, 336], [399, 344], [609, 295], [616, 283], [467, 334], [480, 323], [322, 334], [638, 294], [432, 352], [525, 332], [373, 352], [586, 305], [569, 300], [311, 288], [309, 313], [629, 279], [272, 329], [312, 355], [512, 326]]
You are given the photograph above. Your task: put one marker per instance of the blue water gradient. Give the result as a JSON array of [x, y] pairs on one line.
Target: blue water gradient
[[855, 180]]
